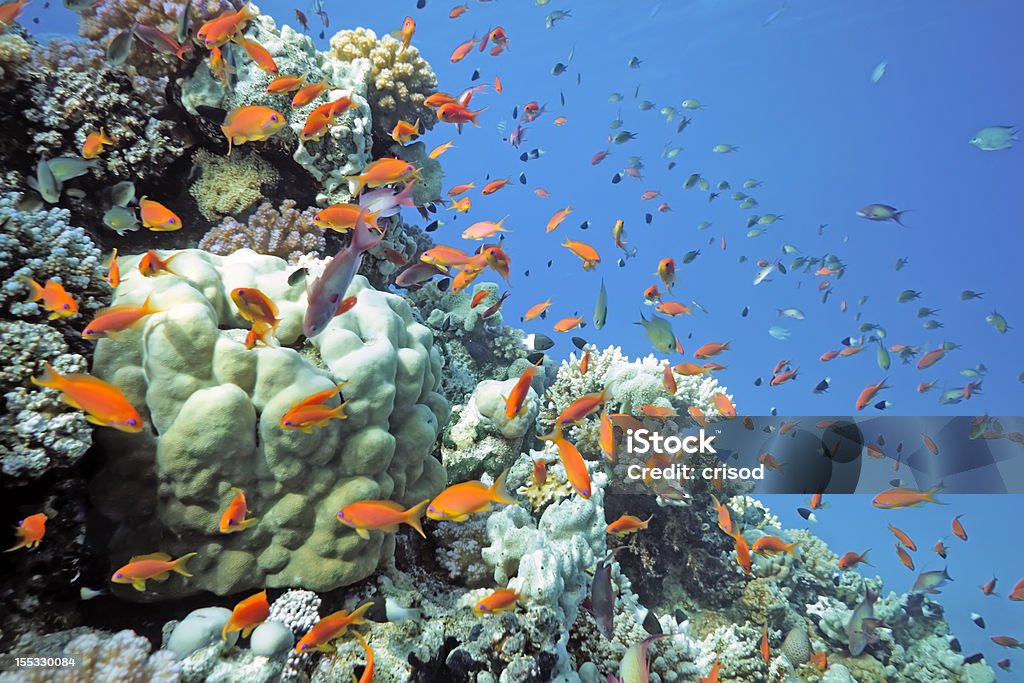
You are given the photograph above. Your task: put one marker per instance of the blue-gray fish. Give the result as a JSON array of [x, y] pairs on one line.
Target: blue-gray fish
[[326, 293], [121, 220], [879, 71], [856, 630], [120, 46], [601, 307], [930, 582], [602, 599], [995, 138], [122, 193], [794, 313], [46, 184], [778, 332], [997, 321], [68, 167], [882, 212], [659, 332]]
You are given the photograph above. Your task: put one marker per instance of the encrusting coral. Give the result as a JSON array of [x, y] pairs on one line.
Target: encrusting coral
[[400, 79], [230, 185], [286, 233], [213, 410]]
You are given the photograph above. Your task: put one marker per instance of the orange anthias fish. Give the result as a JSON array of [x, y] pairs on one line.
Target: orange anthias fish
[[482, 230], [557, 219], [259, 54], [690, 369], [220, 30], [440, 149], [55, 298], [930, 444], [368, 669], [540, 472], [606, 436], [574, 464], [103, 403], [408, 29], [773, 545], [9, 12], [742, 553], [151, 264], [155, 566], [712, 676], [404, 132], [285, 84], [255, 306], [381, 515], [342, 217], [158, 217], [251, 123], [709, 350], [233, 520], [247, 615], [94, 142], [895, 498], [903, 538], [30, 532], [958, 528], [536, 310], [499, 601], [460, 52], [852, 559], [869, 394], [585, 363], [517, 397], [579, 409], [384, 171], [698, 416], [667, 272], [658, 412], [672, 308], [766, 652], [453, 112], [307, 93], [459, 501], [724, 518], [331, 627], [320, 120], [587, 253], [494, 186], [725, 407], [461, 205], [1017, 593], [566, 324], [627, 524], [904, 556], [114, 319], [312, 411], [459, 189], [113, 276]]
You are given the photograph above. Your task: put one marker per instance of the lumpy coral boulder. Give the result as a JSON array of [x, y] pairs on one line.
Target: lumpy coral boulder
[[213, 410]]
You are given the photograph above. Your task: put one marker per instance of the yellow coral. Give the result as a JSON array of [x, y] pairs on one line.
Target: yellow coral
[[13, 50], [229, 185], [400, 79]]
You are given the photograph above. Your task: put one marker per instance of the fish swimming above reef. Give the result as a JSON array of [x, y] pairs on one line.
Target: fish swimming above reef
[[995, 138]]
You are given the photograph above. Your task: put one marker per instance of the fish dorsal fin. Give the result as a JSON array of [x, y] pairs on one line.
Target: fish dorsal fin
[[163, 557]]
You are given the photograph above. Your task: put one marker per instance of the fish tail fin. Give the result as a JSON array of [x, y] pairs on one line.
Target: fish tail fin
[[179, 564], [472, 116], [404, 198], [414, 515], [357, 615], [363, 237], [929, 495], [104, 138], [339, 412], [227, 629], [360, 181], [789, 549], [21, 544], [180, 52], [864, 557], [35, 290], [50, 377], [499, 494], [896, 217], [555, 434]]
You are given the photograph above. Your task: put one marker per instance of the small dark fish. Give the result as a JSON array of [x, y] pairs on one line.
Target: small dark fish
[[622, 263], [585, 225], [296, 277], [539, 342], [549, 263], [420, 4], [562, 97], [758, 382], [648, 217], [616, 179], [524, 157], [536, 358], [807, 514], [579, 342], [651, 623], [974, 659], [322, 35], [883, 405], [476, 75], [515, 112], [978, 620], [522, 178], [579, 78], [558, 69], [745, 311], [434, 225], [444, 284], [823, 386]]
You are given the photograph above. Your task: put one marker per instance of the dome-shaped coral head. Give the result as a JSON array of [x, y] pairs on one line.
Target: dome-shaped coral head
[[326, 295]]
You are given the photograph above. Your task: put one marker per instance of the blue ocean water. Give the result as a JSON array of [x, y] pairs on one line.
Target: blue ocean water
[[795, 95]]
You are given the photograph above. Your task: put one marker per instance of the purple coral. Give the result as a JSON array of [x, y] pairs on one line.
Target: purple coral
[[287, 233]]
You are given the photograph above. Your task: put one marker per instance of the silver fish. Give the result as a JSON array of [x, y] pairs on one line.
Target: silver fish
[[120, 47], [601, 307], [46, 184], [658, 332]]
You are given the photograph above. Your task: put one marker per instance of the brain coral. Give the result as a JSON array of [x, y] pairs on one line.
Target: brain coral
[[399, 78], [213, 410]]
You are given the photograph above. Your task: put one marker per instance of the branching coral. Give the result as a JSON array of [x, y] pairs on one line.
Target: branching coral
[[287, 233], [42, 245], [75, 92], [400, 79], [229, 185], [14, 50]]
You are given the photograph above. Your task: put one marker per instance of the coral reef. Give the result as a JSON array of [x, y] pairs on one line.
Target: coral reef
[[400, 79], [286, 233], [42, 245], [99, 657], [14, 51], [213, 409], [343, 151], [37, 431], [230, 185], [74, 92]]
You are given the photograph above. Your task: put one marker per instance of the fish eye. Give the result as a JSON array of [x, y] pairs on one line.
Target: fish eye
[[341, 513], [118, 575], [273, 117], [172, 220], [232, 522], [317, 219], [304, 646], [287, 423], [430, 509], [132, 421]]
